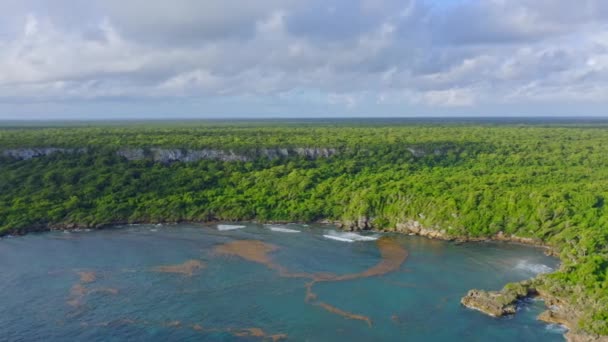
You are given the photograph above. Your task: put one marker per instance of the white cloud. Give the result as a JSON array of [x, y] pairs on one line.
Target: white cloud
[[453, 97], [380, 52]]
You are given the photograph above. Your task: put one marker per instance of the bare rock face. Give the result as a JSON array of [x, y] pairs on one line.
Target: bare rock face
[[348, 225], [415, 227], [363, 222], [417, 152], [29, 153], [420, 151], [131, 153], [314, 153], [499, 303], [560, 313], [489, 302], [163, 155], [168, 155], [577, 336]]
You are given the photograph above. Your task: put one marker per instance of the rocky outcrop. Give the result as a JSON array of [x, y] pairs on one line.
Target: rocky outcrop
[[555, 315], [561, 313], [29, 153], [500, 236], [579, 336], [314, 152], [362, 223], [418, 152], [504, 302], [168, 155], [132, 153], [164, 155], [416, 228], [499, 303], [490, 303]]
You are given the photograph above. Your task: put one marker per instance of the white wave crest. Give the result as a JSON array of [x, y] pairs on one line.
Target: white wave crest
[[348, 237], [556, 328], [223, 227], [283, 230], [533, 268]]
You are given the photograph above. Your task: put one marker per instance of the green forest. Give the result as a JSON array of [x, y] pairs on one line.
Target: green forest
[[541, 181]]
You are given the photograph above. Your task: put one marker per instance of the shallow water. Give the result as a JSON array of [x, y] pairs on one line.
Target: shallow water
[[198, 282]]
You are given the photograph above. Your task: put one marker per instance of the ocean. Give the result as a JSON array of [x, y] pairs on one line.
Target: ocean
[[254, 282]]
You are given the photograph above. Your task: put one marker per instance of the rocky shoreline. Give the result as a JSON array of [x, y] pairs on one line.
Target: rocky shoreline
[[504, 302]]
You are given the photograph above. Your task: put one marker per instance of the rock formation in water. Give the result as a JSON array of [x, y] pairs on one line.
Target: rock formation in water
[[499, 303], [504, 302], [491, 303]]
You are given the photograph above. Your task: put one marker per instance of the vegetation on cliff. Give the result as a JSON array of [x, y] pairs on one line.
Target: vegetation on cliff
[[547, 183]]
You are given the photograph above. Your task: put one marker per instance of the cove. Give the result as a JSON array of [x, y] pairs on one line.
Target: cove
[[254, 282]]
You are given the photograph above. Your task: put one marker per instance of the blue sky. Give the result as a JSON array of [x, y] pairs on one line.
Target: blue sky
[[69, 59]]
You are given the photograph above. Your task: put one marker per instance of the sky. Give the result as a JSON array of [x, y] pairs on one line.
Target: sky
[[136, 59]]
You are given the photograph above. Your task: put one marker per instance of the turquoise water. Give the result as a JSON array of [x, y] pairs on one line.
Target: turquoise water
[[110, 285]]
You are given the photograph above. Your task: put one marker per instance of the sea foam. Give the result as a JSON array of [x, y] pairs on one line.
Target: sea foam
[[533, 268], [348, 237], [283, 230], [556, 328], [223, 227]]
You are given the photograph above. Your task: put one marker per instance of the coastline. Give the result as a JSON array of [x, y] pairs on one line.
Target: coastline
[[558, 311]]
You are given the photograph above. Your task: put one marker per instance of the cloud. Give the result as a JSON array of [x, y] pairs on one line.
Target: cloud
[[352, 55]]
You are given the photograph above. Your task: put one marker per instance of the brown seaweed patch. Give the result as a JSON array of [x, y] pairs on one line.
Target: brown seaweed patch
[[105, 290], [278, 337], [87, 277], [113, 323], [77, 293], [257, 333], [74, 302], [173, 324], [310, 295], [187, 268], [250, 332], [252, 250], [393, 256], [78, 290], [345, 314], [258, 252]]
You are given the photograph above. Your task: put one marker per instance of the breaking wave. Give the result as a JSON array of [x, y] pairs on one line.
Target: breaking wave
[[348, 237], [556, 328], [224, 227], [533, 268], [283, 230]]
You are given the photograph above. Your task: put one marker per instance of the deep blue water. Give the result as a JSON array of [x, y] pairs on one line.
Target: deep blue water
[[107, 286]]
